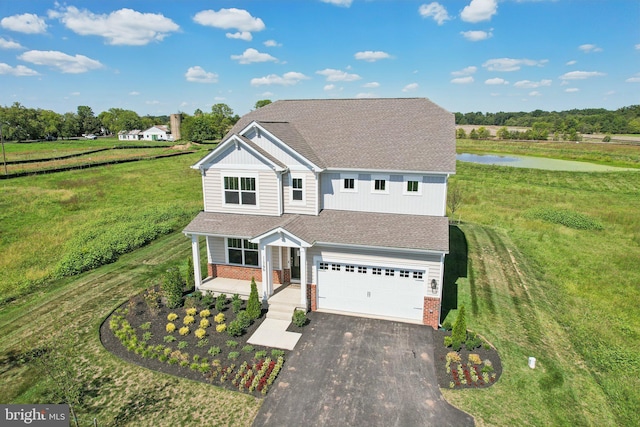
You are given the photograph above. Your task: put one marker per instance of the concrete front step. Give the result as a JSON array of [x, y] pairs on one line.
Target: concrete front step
[[280, 311]]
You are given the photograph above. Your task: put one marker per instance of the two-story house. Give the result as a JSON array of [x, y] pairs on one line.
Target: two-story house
[[345, 197]]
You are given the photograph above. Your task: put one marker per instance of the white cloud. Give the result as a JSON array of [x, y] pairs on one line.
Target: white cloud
[[496, 81], [240, 35], [9, 44], [252, 55], [436, 11], [638, 46], [134, 93], [572, 89], [63, 62], [410, 87], [272, 43], [535, 93], [528, 84], [198, 74], [329, 87], [342, 3], [479, 10], [287, 79], [121, 27], [153, 102], [75, 94], [510, 64], [231, 19], [366, 95], [580, 75], [634, 79], [476, 36], [465, 71], [27, 23], [18, 71], [462, 80], [371, 85], [588, 48], [338, 75], [572, 62], [371, 56]]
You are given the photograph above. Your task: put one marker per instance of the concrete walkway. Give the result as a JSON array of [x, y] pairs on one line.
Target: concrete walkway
[[352, 371], [273, 333]]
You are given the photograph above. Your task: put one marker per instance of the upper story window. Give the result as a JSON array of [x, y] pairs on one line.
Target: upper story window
[[412, 185], [349, 182], [380, 184], [242, 252], [239, 190], [297, 189]]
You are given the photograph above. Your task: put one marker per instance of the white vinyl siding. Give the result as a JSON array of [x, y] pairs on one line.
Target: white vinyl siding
[[216, 250], [266, 192], [309, 193], [429, 200]]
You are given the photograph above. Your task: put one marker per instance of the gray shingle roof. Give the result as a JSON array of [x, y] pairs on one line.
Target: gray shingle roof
[[404, 134], [331, 226]]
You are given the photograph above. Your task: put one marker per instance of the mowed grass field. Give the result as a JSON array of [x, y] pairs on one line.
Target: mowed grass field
[[567, 297]]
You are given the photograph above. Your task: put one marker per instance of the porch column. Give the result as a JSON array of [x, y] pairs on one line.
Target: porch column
[[265, 258], [195, 250], [303, 277]]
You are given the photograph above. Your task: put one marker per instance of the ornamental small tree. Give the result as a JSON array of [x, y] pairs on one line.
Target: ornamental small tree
[[254, 308], [172, 285], [459, 332]]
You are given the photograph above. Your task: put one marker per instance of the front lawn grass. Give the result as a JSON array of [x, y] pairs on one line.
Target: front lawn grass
[[563, 295]]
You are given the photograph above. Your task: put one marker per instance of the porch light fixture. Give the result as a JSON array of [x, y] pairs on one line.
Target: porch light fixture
[[434, 285]]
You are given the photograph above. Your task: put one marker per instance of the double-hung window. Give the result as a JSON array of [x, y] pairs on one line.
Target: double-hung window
[[242, 252], [239, 190], [297, 189]]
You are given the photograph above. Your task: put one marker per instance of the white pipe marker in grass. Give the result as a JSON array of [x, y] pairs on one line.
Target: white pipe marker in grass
[[532, 362]]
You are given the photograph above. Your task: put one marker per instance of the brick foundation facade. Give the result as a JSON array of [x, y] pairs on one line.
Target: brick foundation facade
[[312, 298], [286, 273], [431, 312], [242, 273]]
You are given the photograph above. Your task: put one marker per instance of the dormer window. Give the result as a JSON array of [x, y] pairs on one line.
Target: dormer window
[[380, 184], [349, 182], [239, 190]]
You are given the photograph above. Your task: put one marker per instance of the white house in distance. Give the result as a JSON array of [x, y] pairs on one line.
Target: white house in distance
[[132, 135], [343, 200], [157, 133]]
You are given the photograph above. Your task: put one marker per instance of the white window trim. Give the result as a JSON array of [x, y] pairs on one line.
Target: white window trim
[[226, 253], [386, 184], [353, 176], [407, 178], [303, 189], [238, 174]]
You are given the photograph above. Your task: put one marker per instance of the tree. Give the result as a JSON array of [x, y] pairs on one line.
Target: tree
[[483, 133], [460, 133], [89, 123], [70, 125], [172, 286], [459, 331], [503, 133], [454, 198], [52, 122], [254, 307], [262, 103], [473, 134]]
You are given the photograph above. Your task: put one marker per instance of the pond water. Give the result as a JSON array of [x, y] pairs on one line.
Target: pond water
[[536, 163]]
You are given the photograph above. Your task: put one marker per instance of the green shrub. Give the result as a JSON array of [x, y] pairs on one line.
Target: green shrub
[[565, 217], [260, 354], [232, 343], [203, 342], [299, 318], [459, 331], [254, 307], [169, 338], [235, 328], [277, 353], [233, 355], [172, 288], [473, 341], [145, 326], [248, 348], [447, 341], [606, 138], [147, 336], [243, 319], [456, 345], [213, 351], [221, 302], [207, 299], [190, 275], [236, 303], [446, 325], [182, 345]]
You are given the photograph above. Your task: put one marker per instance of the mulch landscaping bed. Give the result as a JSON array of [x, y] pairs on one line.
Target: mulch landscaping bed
[[461, 374], [222, 371]]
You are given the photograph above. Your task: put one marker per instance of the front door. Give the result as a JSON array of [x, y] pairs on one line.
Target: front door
[[295, 264]]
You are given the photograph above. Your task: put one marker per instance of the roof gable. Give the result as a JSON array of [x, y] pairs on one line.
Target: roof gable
[[404, 134], [235, 143]]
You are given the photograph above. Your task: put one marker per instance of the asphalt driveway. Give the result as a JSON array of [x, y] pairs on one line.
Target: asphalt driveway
[[351, 371]]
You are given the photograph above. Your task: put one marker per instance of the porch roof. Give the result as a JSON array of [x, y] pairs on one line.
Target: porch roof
[[368, 229]]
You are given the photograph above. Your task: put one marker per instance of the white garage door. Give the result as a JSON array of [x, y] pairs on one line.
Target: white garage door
[[374, 290]]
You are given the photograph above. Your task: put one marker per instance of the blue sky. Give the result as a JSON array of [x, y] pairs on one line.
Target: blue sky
[[160, 57]]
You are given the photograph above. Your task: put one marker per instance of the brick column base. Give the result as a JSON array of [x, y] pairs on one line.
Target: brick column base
[[286, 276], [312, 299], [431, 312]]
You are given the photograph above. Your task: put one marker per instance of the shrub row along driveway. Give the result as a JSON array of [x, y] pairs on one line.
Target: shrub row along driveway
[[356, 371]]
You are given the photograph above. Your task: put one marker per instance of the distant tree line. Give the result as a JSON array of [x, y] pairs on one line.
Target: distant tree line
[[587, 121], [20, 123]]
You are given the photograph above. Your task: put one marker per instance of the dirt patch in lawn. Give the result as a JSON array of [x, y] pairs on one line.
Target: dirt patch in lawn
[[218, 358]]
